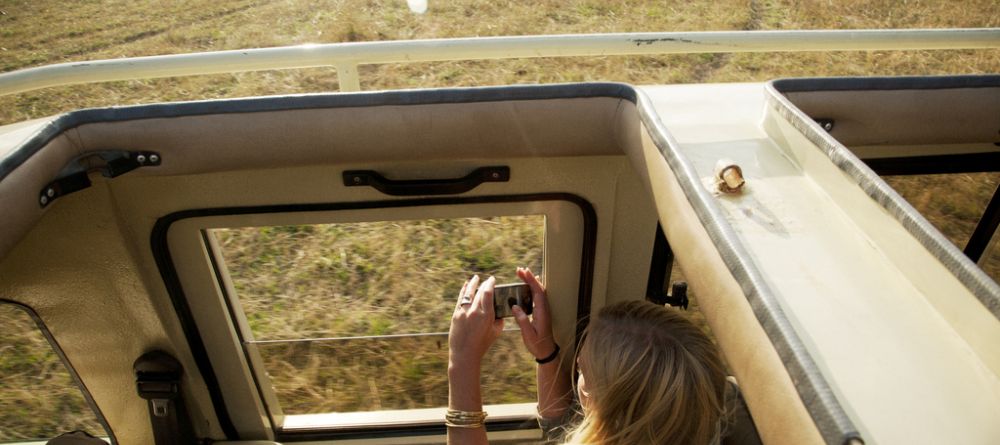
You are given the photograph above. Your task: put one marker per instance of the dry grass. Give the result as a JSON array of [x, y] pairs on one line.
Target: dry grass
[[37, 396], [279, 266], [376, 279], [41, 32]]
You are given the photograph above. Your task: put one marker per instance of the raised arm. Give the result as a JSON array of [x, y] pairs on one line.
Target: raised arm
[[554, 381], [473, 330]]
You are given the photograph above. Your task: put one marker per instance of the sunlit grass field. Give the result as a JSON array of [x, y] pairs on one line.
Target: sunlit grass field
[[39, 32]]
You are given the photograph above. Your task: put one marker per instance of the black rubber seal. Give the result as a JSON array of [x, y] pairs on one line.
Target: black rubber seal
[[164, 261]]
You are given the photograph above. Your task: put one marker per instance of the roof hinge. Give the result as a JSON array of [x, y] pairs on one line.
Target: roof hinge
[[111, 164]]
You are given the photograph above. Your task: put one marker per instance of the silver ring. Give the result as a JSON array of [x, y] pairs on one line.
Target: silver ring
[[464, 301]]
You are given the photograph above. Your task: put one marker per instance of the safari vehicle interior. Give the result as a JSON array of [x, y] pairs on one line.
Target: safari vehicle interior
[[816, 278]]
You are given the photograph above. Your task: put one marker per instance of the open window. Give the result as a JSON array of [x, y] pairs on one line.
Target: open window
[[40, 396], [963, 206], [935, 140], [358, 343]]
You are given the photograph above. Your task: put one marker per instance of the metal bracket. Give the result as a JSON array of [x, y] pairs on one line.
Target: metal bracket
[[826, 123], [677, 296], [74, 177]]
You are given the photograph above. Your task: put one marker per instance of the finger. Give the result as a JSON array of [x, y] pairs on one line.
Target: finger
[[461, 295], [484, 298], [527, 330], [467, 295], [539, 297], [531, 280]]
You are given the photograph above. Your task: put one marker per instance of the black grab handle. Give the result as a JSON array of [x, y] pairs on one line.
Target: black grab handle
[[412, 187]]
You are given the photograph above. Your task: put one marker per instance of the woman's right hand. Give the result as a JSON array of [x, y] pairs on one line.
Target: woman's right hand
[[536, 331]]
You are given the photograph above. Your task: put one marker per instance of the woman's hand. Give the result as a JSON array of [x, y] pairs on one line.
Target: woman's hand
[[536, 331], [554, 380], [473, 331], [473, 327]]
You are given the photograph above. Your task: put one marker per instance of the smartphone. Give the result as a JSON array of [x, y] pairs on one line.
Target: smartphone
[[505, 296]]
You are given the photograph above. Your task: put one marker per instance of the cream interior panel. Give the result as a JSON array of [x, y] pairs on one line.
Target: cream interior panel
[[21, 209], [860, 291], [771, 397], [905, 117], [486, 130]]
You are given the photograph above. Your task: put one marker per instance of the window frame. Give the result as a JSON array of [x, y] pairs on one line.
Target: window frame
[[68, 366], [163, 239], [957, 163]]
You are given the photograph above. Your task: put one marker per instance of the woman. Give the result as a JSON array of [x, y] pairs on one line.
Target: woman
[[647, 375]]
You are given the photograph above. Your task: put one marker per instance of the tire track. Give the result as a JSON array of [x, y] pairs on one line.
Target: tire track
[[703, 72]]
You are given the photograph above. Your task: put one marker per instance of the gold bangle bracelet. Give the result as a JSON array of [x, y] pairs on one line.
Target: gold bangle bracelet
[[464, 419], [469, 426]]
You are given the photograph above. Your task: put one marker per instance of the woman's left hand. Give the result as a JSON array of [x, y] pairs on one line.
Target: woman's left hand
[[473, 326]]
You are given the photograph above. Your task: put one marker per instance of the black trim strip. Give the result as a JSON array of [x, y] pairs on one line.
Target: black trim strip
[[161, 252], [164, 262], [936, 164], [884, 83], [66, 363]]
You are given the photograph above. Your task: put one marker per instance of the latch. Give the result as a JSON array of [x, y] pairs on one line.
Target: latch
[[159, 394], [158, 380], [111, 164]]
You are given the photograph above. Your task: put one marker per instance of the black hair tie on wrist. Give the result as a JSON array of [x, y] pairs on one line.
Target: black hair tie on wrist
[[552, 356]]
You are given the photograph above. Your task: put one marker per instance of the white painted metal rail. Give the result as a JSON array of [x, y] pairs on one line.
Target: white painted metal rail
[[345, 57]]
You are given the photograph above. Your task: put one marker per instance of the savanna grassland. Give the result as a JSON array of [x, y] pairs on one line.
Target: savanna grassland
[[289, 278]]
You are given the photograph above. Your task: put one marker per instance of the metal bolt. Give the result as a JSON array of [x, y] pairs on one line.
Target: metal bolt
[[154, 159], [496, 175], [357, 179], [50, 192], [828, 126], [44, 200], [141, 159]]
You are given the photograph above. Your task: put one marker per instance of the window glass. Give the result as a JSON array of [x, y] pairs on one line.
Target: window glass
[[355, 316], [953, 203], [38, 397]]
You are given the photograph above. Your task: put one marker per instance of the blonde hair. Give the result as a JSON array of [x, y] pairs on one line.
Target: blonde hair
[[652, 377]]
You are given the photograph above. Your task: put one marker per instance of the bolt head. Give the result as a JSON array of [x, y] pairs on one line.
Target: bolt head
[[44, 200], [357, 179], [141, 159], [50, 192], [154, 158], [828, 126]]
